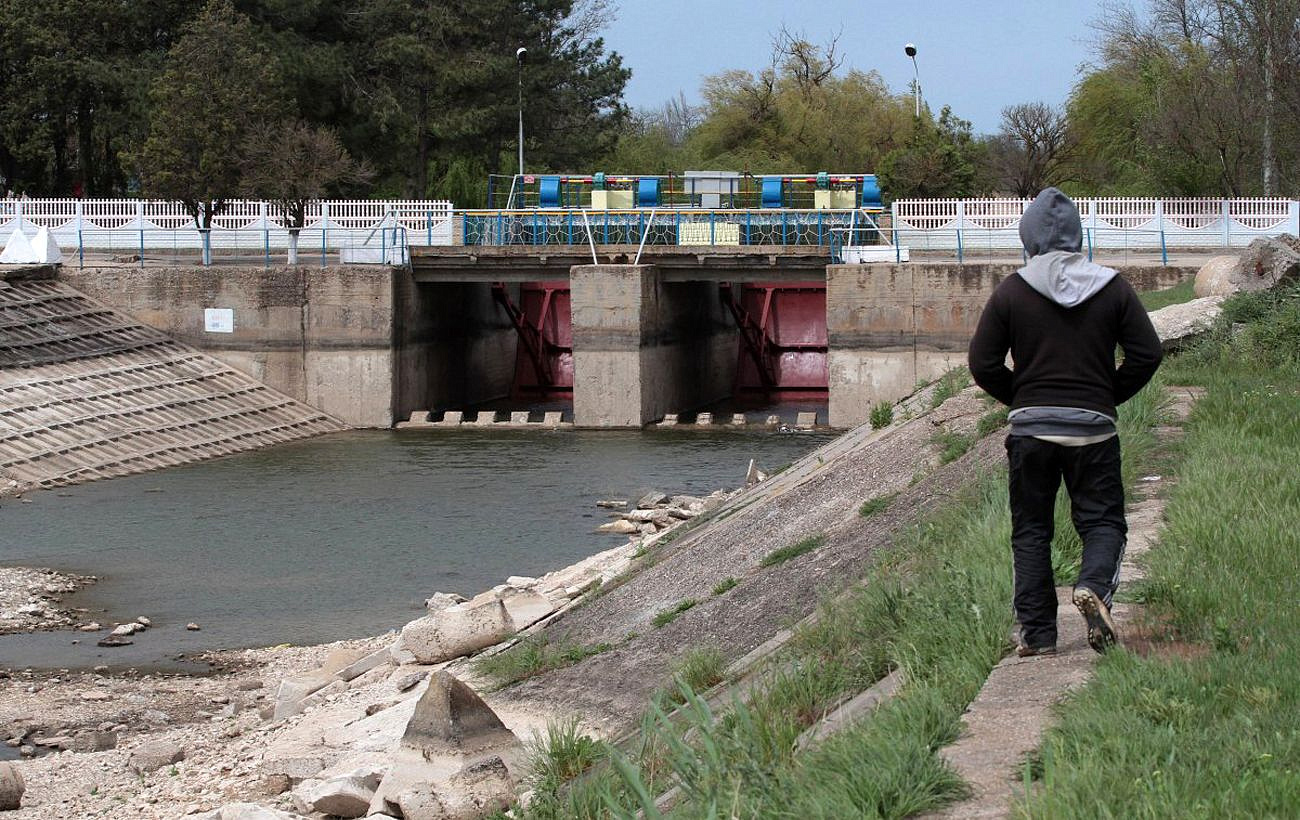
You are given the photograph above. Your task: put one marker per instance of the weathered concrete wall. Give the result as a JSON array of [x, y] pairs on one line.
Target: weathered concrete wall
[[643, 347], [890, 326], [324, 336]]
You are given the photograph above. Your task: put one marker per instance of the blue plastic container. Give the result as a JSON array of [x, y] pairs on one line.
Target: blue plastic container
[[548, 192], [647, 192], [772, 193]]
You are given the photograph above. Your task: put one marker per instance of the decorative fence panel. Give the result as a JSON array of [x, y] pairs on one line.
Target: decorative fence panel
[[1130, 223], [94, 224]]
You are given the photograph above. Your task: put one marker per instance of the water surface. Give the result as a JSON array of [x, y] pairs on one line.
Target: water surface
[[346, 535]]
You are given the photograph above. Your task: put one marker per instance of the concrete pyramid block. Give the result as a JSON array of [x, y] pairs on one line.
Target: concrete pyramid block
[[18, 250], [46, 249], [451, 730]]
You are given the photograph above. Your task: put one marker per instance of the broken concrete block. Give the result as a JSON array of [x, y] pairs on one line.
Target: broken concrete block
[[619, 527], [341, 796], [153, 755], [526, 607], [457, 630], [363, 664], [11, 787], [806, 421], [474, 792], [292, 691]]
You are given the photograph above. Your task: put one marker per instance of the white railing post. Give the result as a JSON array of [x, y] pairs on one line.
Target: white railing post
[[18, 214], [1225, 214], [1160, 217], [1293, 217]]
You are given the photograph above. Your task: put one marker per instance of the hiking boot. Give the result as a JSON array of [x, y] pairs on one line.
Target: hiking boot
[[1027, 651], [1101, 629]]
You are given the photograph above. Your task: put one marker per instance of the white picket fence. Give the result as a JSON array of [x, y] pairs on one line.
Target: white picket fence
[[1108, 223], [93, 224]]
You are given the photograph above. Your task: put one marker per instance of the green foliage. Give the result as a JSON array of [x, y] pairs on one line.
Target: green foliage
[[783, 554], [667, 616], [217, 85], [557, 758], [993, 420], [725, 585], [882, 414], [952, 445], [949, 385], [938, 160], [701, 668], [534, 656], [1156, 299], [874, 506]]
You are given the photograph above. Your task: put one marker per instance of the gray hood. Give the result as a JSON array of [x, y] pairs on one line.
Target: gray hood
[[1068, 279], [1052, 235]]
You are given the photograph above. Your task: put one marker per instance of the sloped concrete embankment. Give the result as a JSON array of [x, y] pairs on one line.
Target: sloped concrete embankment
[[88, 393]]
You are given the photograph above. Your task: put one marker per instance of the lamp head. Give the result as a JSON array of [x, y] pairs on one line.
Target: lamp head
[[910, 50], [521, 55]]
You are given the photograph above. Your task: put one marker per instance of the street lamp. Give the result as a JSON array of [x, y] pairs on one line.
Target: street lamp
[[521, 56], [910, 51]]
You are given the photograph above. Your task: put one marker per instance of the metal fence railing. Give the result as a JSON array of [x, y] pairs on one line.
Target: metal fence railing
[[381, 245]]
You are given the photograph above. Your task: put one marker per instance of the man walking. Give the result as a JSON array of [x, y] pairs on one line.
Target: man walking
[[1061, 317]]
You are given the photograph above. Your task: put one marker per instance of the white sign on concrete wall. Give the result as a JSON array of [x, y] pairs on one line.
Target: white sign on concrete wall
[[219, 320]]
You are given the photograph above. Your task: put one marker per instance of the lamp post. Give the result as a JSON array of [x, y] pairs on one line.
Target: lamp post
[[521, 55], [910, 51]]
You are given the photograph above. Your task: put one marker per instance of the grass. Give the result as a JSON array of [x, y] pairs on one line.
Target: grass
[[952, 445], [882, 415], [1156, 299], [700, 669], [874, 506], [725, 585], [667, 616], [993, 420], [783, 554], [1213, 732], [949, 385], [534, 656], [555, 760]]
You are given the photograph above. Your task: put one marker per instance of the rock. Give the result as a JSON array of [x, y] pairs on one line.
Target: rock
[[154, 717], [94, 741], [245, 811], [340, 658], [126, 629], [619, 527], [1215, 277], [521, 582], [1266, 262], [348, 796], [143, 621], [526, 607], [292, 691], [648, 529], [31, 609], [441, 600], [611, 504], [364, 664], [650, 500], [273, 784], [193, 627], [53, 741], [153, 755], [11, 787], [1176, 325], [457, 630], [248, 685], [450, 730], [293, 766], [409, 681], [93, 626], [95, 695], [318, 697], [474, 792]]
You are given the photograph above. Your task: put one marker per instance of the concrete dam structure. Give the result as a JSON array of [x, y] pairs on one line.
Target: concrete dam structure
[[87, 393], [630, 343]]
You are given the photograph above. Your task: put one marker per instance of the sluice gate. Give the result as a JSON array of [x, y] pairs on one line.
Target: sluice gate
[[543, 322]]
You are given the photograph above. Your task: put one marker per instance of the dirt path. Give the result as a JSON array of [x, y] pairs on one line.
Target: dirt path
[[1006, 721]]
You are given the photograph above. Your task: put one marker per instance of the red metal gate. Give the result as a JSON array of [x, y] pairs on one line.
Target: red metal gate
[[543, 322], [782, 340]]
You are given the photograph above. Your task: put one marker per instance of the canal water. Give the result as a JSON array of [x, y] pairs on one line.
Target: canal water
[[346, 535]]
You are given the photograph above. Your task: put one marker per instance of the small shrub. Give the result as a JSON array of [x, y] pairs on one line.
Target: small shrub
[[990, 421], [725, 585], [876, 505], [780, 556], [534, 656], [669, 615], [882, 415], [700, 669], [554, 760], [952, 446], [949, 385]]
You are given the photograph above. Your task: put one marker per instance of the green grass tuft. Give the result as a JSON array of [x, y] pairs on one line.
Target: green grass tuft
[[882, 414], [1156, 299], [780, 556], [949, 385], [534, 656], [879, 504], [667, 616], [991, 421], [725, 585], [952, 446]]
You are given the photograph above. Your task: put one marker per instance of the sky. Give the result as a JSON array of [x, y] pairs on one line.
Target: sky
[[976, 55]]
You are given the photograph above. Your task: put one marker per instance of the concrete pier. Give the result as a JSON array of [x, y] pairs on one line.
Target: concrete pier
[[643, 347]]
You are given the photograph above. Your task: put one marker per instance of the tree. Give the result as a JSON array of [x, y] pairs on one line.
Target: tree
[[938, 160], [1033, 148], [293, 164], [218, 84]]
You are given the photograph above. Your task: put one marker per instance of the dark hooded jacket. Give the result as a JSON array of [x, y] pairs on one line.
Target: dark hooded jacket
[[1061, 317]]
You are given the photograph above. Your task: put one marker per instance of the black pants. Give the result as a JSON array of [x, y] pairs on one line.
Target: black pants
[[1092, 478]]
